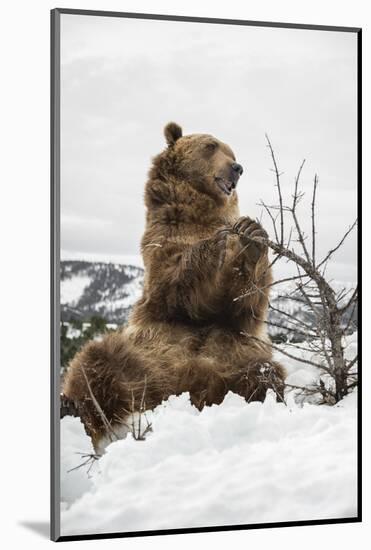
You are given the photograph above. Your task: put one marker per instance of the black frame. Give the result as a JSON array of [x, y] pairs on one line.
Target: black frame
[[55, 269]]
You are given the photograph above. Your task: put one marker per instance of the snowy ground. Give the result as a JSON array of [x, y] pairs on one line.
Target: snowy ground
[[235, 463]]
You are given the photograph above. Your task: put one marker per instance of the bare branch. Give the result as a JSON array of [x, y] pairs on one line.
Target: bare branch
[[296, 196], [331, 252], [284, 352], [350, 320], [139, 434], [285, 327], [288, 279], [353, 299], [278, 182], [294, 320], [313, 220], [300, 233], [340, 296], [289, 239], [351, 363], [260, 289], [307, 267], [91, 458], [312, 390], [273, 219]]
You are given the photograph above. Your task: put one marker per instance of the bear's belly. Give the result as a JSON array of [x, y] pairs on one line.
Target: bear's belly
[[178, 343]]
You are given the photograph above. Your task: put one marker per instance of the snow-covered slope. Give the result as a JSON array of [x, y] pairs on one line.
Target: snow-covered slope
[[97, 288], [231, 464]]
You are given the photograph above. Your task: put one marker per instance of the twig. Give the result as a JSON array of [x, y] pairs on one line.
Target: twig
[[331, 252], [312, 390], [351, 363], [352, 300], [90, 457], [273, 219], [281, 240], [138, 434], [350, 320], [107, 425], [291, 317], [259, 289], [313, 220], [297, 178], [284, 352]]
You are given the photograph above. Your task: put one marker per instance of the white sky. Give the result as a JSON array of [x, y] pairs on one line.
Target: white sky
[[122, 80]]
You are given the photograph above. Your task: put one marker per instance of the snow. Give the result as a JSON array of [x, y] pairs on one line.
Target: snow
[[133, 291], [72, 332], [231, 464], [73, 288], [73, 441]]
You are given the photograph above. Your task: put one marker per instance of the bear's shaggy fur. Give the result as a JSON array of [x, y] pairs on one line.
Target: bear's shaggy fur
[[200, 324]]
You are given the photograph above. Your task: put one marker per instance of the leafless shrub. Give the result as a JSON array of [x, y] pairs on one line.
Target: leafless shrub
[[314, 291], [139, 432]]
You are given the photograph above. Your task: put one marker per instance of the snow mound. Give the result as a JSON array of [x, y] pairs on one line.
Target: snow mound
[[231, 464]]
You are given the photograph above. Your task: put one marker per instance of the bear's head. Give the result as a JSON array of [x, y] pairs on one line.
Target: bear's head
[[205, 163]]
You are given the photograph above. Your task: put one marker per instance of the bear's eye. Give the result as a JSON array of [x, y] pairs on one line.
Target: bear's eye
[[211, 146]]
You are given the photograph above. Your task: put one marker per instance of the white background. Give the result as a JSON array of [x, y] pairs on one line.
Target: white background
[[24, 217]]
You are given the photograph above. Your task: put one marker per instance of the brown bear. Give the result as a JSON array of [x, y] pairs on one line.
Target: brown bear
[[200, 324]]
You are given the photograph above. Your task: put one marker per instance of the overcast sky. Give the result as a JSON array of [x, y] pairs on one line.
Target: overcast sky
[[122, 80]]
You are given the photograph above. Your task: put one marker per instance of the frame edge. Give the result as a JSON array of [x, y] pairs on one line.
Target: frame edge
[[54, 273]]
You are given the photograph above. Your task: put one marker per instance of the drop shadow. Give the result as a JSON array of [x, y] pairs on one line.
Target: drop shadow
[[42, 528]]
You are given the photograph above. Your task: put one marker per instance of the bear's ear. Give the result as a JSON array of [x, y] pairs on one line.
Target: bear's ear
[[172, 133]]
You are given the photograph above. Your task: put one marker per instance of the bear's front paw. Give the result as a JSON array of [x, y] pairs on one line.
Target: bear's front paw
[[252, 235], [221, 242]]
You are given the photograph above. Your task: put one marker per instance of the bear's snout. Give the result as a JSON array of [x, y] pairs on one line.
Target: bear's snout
[[236, 171], [237, 168]]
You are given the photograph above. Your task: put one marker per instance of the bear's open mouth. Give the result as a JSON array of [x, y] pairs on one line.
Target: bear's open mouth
[[225, 185]]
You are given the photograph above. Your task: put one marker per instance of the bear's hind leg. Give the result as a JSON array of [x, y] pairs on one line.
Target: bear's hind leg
[[208, 380], [254, 378], [109, 381], [206, 383]]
